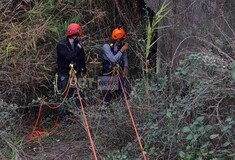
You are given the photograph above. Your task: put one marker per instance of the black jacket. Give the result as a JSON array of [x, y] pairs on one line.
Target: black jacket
[[67, 55]]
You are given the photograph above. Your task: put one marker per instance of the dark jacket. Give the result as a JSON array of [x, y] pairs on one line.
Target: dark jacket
[[66, 54]]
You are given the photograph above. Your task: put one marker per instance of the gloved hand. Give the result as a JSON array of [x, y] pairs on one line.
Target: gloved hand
[[124, 47], [72, 64], [125, 71], [76, 41]]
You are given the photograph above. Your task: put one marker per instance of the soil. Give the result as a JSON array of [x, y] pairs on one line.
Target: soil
[[68, 140]]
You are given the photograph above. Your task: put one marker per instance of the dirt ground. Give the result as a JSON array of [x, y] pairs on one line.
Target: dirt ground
[[69, 142], [68, 139]]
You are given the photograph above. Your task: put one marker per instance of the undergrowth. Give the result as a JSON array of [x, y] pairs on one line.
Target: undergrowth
[[189, 111]]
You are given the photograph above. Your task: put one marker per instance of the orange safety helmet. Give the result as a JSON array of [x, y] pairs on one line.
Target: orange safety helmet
[[118, 33], [74, 28]]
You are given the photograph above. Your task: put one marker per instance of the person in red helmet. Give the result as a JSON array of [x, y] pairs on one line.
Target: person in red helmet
[[70, 51], [114, 52]]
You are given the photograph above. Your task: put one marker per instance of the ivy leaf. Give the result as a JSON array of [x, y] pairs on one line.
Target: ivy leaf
[[184, 72], [201, 129], [189, 137], [226, 128], [226, 144], [228, 119], [168, 114], [182, 154], [186, 129], [208, 127], [200, 119], [213, 136]]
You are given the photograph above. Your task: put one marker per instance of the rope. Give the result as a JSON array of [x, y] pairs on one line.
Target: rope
[[132, 119], [110, 82], [72, 70], [56, 85], [72, 76], [41, 134], [105, 74], [59, 105], [86, 124]]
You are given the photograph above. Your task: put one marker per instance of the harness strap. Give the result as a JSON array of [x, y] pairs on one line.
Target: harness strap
[[72, 71]]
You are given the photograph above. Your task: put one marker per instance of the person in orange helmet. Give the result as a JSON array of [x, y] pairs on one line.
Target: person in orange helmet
[[70, 51], [114, 52]]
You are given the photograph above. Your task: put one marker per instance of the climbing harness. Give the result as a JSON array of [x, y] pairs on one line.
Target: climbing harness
[[72, 72]]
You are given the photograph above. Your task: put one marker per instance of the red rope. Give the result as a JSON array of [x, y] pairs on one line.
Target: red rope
[[41, 134], [86, 124], [32, 135], [132, 119], [110, 82], [66, 95]]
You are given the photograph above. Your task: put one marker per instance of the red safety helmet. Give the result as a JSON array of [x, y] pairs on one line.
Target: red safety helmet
[[73, 29], [118, 33]]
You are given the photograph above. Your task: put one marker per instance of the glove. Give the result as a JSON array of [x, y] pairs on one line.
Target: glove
[[76, 41], [72, 64]]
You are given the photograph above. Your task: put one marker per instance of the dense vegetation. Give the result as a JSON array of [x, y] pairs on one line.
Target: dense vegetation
[[181, 76]]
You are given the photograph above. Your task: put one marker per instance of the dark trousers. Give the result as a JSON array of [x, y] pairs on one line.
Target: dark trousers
[[63, 84], [107, 94]]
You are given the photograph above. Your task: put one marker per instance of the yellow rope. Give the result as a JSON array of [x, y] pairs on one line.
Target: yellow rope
[[72, 71]]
